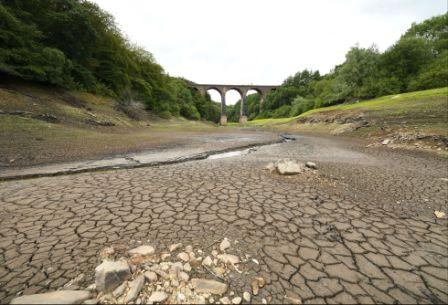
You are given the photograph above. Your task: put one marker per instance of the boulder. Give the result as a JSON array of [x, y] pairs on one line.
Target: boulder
[[55, 297], [110, 275], [290, 167]]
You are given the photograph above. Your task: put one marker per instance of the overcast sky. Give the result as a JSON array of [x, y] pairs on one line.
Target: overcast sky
[[261, 41]]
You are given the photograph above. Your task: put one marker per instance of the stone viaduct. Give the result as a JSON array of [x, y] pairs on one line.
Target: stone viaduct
[[241, 89]]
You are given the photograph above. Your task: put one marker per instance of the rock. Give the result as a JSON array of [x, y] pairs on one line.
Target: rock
[[157, 297], [91, 302], [189, 248], [134, 288], [200, 300], [311, 165], [246, 296], [439, 214], [144, 250], [236, 300], [55, 297], [150, 276], [164, 256], [110, 275], [107, 253], [184, 256], [187, 267], [256, 284], [174, 247], [270, 167], [225, 244], [225, 300], [119, 290], [207, 261], [211, 300], [386, 141], [208, 286], [214, 253], [290, 167], [183, 276], [229, 258], [293, 299], [263, 301]]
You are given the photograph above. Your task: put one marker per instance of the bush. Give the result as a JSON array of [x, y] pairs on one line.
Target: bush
[[165, 115], [190, 112]]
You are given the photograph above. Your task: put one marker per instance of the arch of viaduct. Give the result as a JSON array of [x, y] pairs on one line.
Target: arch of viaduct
[[241, 89]]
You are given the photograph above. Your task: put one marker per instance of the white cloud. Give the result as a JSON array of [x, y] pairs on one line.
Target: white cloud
[[261, 41]]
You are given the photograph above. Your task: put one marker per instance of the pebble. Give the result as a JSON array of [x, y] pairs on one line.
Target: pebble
[[224, 300], [144, 250], [311, 165], [229, 258], [236, 300], [246, 296], [184, 256], [150, 276], [119, 290], [157, 297], [225, 244], [134, 288], [184, 276], [174, 247], [208, 286], [207, 261], [187, 267]]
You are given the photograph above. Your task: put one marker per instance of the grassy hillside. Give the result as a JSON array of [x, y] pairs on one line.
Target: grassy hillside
[[407, 117], [40, 124]]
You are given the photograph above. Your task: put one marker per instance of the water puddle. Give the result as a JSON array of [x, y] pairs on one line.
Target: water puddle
[[231, 154]]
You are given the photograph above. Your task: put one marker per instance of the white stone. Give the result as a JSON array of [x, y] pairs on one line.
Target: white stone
[[208, 286], [150, 276], [225, 244], [246, 296], [189, 248], [311, 165], [229, 258], [184, 256], [119, 290], [110, 275], [224, 300], [386, 141], [144, 250], [174, 247], [183, 276], [187, 267], [134, 288], [236, 300], [55, 297], [290, 167], [157, 297], [207, 261]]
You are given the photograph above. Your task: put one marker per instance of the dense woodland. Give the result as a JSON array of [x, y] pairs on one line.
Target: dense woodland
[[417, 61], [75, 45]]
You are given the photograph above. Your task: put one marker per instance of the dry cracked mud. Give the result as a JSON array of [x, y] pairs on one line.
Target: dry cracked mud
[[361, 229]]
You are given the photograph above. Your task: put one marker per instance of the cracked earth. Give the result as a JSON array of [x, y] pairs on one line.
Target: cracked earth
[[360, 230]]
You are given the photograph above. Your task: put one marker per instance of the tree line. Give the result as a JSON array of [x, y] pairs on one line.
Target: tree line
[[417, 61], [76, 45]]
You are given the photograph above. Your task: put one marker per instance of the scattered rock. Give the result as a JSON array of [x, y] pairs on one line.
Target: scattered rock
[[55, 297], [119, 290], [150, 276], [246, 296], [184, 256], [107, 253], [183, 276], [134, 288], [236, 300], [229, 258], [256, 284], [174, 247], [110, 275], [90, 302], [311, 165], [225, 244], [293, 299], [439, 214], [271, 167], [224, 300], [144, 250], [157, 297], [208, 286], [386, 141], [187, 267], [290, 167], [207, 261]]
